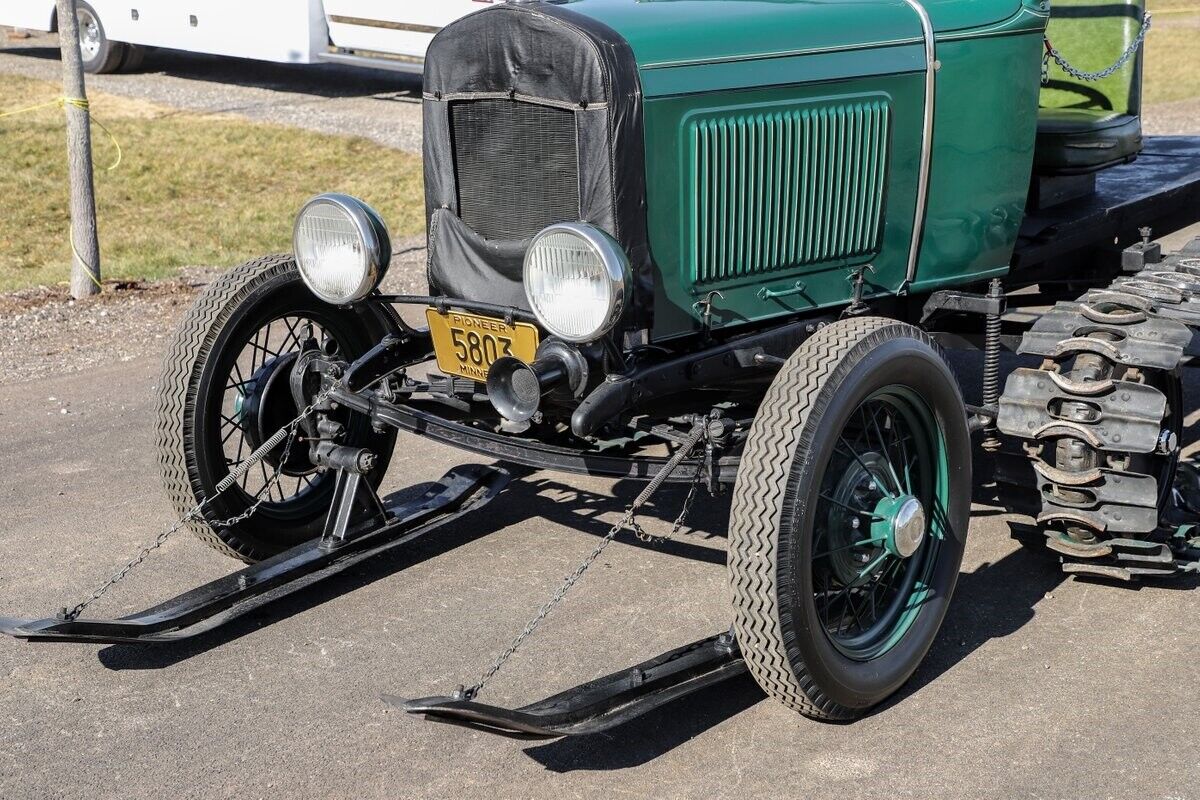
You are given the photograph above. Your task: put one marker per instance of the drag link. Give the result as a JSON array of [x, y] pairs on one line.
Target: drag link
[[700, 431]]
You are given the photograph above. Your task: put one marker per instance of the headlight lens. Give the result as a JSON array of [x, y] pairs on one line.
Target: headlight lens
[[577, 280], [342, 248]]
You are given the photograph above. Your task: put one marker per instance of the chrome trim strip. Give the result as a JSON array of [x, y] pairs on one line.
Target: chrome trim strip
[[1005, 27], [846, 48], [931, 68], [381, 23]]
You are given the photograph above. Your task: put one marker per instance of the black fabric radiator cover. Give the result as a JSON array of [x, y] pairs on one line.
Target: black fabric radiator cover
[[516, 166], [533, 115]]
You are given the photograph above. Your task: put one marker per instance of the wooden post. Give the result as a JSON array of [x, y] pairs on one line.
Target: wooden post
[[85, 245]]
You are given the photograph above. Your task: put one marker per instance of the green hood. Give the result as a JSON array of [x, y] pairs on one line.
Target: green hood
[[669, 33]]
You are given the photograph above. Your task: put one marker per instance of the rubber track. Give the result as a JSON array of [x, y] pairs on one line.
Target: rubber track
[[792, 400], [179, 383]]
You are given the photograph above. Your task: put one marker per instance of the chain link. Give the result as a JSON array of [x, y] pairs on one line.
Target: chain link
[[196, 513], [1078, 74], [628, 521]]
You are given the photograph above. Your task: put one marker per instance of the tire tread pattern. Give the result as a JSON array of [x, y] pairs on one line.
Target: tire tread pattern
[[178, 387], [759, 496]]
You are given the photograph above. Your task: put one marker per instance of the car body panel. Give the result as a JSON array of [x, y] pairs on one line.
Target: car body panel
[[696, 55]]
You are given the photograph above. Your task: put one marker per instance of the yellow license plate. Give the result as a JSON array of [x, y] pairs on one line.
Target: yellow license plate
[[468, 344]]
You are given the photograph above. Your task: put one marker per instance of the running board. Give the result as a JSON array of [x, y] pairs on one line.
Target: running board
[[597, 705], [463, 489]]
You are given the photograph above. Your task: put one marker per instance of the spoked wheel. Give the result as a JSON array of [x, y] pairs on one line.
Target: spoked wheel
[[849, 517], [874, 543], [226, 390]]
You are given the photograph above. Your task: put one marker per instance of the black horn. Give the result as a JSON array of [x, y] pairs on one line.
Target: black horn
[[516, 389]]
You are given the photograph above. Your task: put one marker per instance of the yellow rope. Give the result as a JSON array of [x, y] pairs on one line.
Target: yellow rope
[[83, 105], [91, 271]]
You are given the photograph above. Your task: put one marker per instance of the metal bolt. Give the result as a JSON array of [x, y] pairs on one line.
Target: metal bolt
[[854, 523], [1167, 442]]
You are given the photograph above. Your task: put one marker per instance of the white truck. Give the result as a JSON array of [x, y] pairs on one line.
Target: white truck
[[382, 34]]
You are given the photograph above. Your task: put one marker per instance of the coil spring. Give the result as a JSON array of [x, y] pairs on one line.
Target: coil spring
[[991, 354]]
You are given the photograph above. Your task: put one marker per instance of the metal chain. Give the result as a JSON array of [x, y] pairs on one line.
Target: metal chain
[[628, 521], [196, 513], [1078, 74], [677, 525]]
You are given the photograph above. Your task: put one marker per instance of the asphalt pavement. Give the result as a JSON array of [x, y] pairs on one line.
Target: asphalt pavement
[[1037, 687]]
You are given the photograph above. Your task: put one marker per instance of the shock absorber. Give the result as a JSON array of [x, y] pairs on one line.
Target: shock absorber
[[991, 371]]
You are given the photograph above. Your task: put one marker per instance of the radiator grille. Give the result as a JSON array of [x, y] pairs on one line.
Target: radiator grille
[[786, 187], [516, 165]]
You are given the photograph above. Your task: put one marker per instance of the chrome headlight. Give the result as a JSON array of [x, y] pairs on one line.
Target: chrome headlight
[[577, 280], [342, 248]]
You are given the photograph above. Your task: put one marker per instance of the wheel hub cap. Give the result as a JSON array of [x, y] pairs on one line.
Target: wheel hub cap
[[903, 524], [264, 404], [89, 35]]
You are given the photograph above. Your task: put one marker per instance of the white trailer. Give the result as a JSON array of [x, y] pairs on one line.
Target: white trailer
[[382, 34]]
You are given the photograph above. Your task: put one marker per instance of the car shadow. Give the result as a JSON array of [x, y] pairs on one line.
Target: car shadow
[[329, 81], [991, 602], [527, 499]]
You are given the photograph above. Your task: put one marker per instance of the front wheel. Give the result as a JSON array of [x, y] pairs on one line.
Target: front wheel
[[225, 390], [849, 517]]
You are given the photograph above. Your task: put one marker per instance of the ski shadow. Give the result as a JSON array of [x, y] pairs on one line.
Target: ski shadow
[[527, 499], [991, 602]]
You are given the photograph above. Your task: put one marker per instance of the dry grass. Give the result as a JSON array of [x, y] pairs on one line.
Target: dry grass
[[190, 190], [1172, 67], [206, 190]]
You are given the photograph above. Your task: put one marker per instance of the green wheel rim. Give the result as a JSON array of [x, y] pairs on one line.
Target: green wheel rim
[[880, 523]]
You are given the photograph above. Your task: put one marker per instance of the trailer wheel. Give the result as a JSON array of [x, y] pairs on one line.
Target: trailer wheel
[[135, 56], [100, 54], [225, 389], [849, 517]]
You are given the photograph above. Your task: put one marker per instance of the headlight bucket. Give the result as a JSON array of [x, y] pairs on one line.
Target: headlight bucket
[[578, 281], [342, 248]]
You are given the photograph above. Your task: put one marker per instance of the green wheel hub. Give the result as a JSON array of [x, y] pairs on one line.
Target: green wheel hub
[[880, 523], [901, 524]]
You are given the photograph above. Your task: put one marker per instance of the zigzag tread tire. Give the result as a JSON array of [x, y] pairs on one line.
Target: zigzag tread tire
[[802, 392], [192, 385], [179, 384]]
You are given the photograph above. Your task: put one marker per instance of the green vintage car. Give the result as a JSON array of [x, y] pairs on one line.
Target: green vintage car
[[725, 243]]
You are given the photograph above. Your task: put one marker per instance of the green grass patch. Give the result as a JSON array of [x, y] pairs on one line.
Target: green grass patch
[[190, 189], [1171, 67]]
